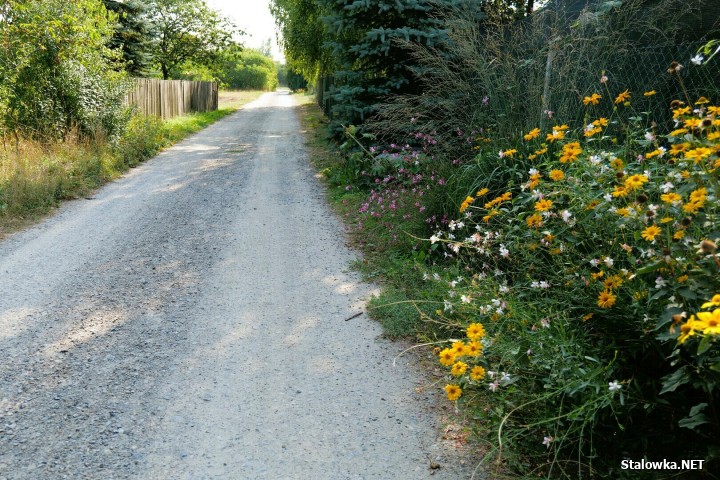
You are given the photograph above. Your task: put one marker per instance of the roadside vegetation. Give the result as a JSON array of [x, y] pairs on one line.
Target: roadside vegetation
[[65, 69], [540, 206]]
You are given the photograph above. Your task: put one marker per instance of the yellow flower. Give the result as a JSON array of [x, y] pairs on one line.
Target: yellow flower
[[447, 357], [477, 373], [620, 191], [692, 122], [634, 182], [453, 392], [679, 235], [678, 132], [458, 368], [623, 97], [597, 275], [698, 194], [702, 101], [570, 152], [475, 331], [682, 278], [650, 93], [593, 99], [651, 232], [714, 301], [617, 164], [534, 133], [666, 219], [509, 153], [713, 110], [654, 153], [606, 299], [697, 154], [543, 205], [561, 128], [671, 197], [711, 322], [613, 282], [534, 221], [678, 148], [458, 348], [678, 112], [555, 135], [557, 175], [482, 192], [466, 203], [623, 212], [687, 330], [473, 349], [692, 207]]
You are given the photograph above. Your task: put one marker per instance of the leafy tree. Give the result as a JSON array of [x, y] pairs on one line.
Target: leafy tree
[[188, 31], [251, 71], [57, 71], [304, 36], [133, 35]]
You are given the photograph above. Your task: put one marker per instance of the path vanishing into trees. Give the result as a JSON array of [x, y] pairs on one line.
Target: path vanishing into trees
[[189, 321]]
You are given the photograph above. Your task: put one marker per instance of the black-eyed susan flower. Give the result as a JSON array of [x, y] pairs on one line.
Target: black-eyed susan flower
[[447, 357], [532, 134], [475, 331], [458, 368], [477, 373], [606, 299], [622, 97], [651, 232], [453, 392], [556, 175], [593, 99], [543, 205]]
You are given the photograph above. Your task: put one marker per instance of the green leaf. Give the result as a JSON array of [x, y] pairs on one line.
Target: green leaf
[[705, 344], [674, 380]]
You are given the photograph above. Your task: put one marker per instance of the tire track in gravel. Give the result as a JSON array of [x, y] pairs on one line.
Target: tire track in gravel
[[187, 322]]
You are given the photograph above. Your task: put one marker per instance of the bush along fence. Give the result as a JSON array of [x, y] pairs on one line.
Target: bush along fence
[[172, 98]]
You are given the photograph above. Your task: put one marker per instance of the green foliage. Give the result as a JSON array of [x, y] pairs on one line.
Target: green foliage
[[58, 75], [132, 35], [252, 70], [303, 36], [187, 31]]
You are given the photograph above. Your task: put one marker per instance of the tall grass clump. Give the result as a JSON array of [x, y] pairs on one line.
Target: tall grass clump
[[494, 79]]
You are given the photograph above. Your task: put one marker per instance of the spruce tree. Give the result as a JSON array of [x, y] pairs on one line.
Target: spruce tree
[[133, 35]]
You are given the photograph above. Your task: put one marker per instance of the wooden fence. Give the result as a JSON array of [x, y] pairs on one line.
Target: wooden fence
[[171, 98]]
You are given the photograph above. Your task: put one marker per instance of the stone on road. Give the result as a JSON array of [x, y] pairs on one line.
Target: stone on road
[[188, 321]]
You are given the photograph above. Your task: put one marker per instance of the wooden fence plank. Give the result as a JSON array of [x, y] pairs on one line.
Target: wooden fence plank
[[170, 98]]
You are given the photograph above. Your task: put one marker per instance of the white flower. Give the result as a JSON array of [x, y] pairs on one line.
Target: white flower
[[505, 377], [660, 282], [544, 284], [491, 374], [697, 59], [434, 239], [460, 224], [453, 283], [494, 386], [545, 322], [455, 247], [535, 284], [504, 289], [666, 187], [533, 171], [565, 214], [436, 276], [594, 262], [614, 386], [608, 261], [426, 276], [595, 159], [465, 299], [448, 305], [547, 441], [649, 136], [607, 197], [662, 151], [504, 252], [501, 154]]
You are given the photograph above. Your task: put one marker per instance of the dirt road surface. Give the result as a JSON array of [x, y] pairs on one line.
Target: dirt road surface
[[188, 321]]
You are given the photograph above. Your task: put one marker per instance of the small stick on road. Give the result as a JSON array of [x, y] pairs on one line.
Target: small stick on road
[[354, 316]]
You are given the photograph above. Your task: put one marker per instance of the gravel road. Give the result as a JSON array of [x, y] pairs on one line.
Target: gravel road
[[188, 321]]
